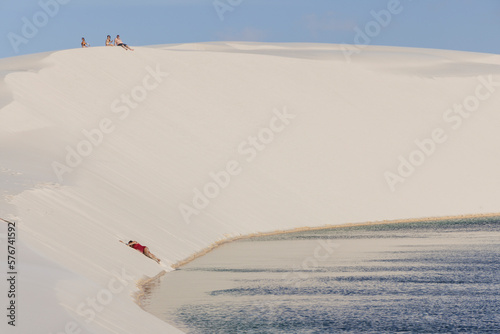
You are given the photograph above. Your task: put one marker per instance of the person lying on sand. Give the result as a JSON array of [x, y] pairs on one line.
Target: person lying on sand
[[118, 42], [143, 249]]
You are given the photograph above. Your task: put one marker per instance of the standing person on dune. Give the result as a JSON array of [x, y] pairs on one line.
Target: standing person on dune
[[118, 42]]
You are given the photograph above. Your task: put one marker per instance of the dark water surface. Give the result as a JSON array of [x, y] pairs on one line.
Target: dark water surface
[[432, 277]]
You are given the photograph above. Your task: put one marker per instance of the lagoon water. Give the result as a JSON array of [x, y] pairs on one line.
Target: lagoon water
[[425, 277]]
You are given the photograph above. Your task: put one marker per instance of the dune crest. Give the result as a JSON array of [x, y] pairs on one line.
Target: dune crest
[[183, 146]]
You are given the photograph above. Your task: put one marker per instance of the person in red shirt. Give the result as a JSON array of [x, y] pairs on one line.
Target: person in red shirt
[[143, 249]]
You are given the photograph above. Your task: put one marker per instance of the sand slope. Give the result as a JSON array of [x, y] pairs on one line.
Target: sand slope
[[100, 144]]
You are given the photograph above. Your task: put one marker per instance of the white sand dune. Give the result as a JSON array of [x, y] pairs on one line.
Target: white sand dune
[[101, 144]]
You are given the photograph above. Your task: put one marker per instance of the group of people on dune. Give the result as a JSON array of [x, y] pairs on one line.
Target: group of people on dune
[[117, 42]]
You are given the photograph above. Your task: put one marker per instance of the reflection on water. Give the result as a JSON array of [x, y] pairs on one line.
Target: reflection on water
[[412, 277], [148, 287]]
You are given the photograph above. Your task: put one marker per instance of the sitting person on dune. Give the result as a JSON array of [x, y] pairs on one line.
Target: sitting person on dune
[[118, 42], [109, 42], [143, 249], [84, 43]]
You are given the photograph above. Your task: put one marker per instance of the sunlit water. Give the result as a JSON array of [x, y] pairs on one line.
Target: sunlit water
[[413, 277]]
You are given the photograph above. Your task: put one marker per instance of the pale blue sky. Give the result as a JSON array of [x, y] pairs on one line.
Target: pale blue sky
[[470, 25]]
